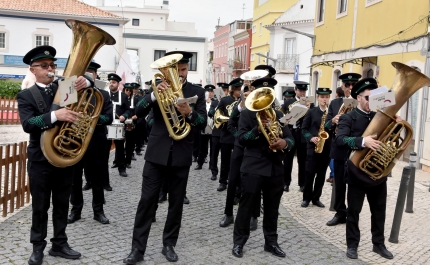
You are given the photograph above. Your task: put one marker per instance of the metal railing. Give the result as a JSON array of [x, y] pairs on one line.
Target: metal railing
[[14, 182], [286, 62], [9, 111]]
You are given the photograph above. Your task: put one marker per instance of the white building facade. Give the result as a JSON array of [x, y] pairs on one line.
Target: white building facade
[[292, 50], [151, 34]]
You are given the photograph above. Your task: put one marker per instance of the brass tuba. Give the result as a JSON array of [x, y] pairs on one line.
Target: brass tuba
[[378, 164], [261, 100], [322, 135], [176, 125], [64, 146]]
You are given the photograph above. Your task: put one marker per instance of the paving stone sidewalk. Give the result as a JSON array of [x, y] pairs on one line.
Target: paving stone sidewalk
[[201, 240]]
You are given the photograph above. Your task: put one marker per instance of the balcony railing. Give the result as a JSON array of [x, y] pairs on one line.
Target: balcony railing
[[286, 62]]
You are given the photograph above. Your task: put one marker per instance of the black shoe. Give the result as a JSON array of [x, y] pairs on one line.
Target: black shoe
[[107, 187], [114, 165], [221, 187], [253, 224], [36, 257], [198, 167], [302, 188], [65, 252], [236, 201], [169, 252], [305, 204], [133, 157], [123, 174], [134, 257], [73, 217], [101, 218], [206, 160], [194, 159], [127, 165], [318, 203], [351, 253], [87, 186], [336, 220], [383, 251], [286, 188], [213, 177], [186, 201], [162, 198], [226, 221], [237, 251], [139, 153], [275, 250]]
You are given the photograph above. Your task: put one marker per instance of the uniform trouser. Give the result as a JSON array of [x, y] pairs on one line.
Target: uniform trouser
[[316, 164], [196, 143], [215, 148], [153, 175], [119, 155], [226, 150], [203, 148], [301, 159], [377, 198], [140, 135], [45, 179], [340, 188], [252, 185], [130, 137], [233, 178], [91, 163]]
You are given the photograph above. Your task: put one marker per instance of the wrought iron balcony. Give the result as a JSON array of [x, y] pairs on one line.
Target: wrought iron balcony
[[286, 62]]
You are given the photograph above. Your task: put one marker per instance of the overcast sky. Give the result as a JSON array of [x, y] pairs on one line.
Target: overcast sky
[[204, 13]]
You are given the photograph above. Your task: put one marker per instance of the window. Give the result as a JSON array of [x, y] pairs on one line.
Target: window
[[158, 54], [252, 57], [244, 54], [193, 62], [370, 73], [289, 46], [135, 22], [2, 40], [321, 11], [254, 28], [42, 40], [261, 28], [342, 6], [372, 2]]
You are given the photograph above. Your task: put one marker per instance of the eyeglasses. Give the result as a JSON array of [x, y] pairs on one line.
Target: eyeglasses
[[349, 84], [45, 66], [366, 97]]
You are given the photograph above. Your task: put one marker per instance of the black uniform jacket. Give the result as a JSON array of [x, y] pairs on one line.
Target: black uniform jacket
[[311, 127], [285, 108], [215, 131], [333, 110], [132, 111], [98, 139], [124, 108], [233, 124], [226, 136], [159, 141], [258, 158]]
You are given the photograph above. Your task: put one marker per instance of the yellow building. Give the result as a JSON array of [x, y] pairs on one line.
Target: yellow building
[[265, 12], [365, 36]]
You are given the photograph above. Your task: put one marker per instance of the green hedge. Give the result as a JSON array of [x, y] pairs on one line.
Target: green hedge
[[9, 88]]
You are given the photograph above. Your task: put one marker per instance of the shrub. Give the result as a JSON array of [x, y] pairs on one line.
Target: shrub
[[9, 88]]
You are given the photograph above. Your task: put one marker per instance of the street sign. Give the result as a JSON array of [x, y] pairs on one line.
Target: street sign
[[296, 72]]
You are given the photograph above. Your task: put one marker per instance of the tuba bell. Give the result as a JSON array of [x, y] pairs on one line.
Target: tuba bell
[[176, 125], [64, 146], [261, 100], [378, 164]]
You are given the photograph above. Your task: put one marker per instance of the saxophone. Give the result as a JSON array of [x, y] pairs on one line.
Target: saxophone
[[322, 135]]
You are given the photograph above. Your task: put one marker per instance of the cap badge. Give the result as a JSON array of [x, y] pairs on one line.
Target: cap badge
[[349, 76], [325, 89], [47, 52], [367, 82], [265, 84]]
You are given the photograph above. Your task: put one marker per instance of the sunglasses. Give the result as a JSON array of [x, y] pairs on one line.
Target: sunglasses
[[349, 84], [366, 97], [45, 66]]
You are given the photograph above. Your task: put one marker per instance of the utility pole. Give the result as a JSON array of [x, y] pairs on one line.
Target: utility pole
[[243, 11]]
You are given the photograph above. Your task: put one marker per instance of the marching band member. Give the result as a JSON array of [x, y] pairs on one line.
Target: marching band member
[[140, 123], [166, 159], [262, 171], [205, 136], [351, 127], [227, 139], [289, 94], [316, 163], [300, 142], [46, 179], [270, 70], [339, 155], [130, 133], [92, 162], [121, 112]]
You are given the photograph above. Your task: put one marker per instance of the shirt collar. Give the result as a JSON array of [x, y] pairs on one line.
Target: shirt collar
[[41, 85], [362, 110]]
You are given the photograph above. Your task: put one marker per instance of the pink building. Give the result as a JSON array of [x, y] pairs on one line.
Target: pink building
[[242, 48], [220, 55]]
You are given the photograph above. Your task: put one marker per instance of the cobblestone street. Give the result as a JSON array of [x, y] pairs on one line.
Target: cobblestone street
[[201, 240]]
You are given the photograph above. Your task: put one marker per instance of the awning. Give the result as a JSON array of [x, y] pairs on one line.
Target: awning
[[358, 61], [11, 76]]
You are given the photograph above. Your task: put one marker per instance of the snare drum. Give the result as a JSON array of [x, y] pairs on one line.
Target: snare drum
[[116, 131], [129, 126]]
